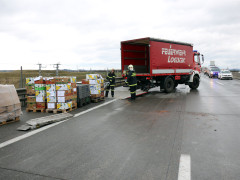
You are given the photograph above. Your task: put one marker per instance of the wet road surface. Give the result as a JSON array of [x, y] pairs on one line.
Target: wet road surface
[[138, 140]]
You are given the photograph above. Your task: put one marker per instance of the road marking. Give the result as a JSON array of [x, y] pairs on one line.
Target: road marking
[[6, 143], [220, 83], [184, 172], [81, 113], [11, 141]]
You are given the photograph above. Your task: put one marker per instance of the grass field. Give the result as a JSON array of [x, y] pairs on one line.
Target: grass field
[[14, 77]]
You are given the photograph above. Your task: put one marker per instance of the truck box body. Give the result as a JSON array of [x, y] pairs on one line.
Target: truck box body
[[157, 57], [163, 63]]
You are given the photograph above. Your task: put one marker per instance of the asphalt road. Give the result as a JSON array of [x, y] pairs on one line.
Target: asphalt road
[[140, 140]]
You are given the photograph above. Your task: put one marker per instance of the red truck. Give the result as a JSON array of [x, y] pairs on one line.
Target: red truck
[[164, 63]]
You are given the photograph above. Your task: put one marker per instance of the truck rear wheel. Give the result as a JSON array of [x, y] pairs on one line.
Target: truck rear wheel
[[168, 84], [195, 83]]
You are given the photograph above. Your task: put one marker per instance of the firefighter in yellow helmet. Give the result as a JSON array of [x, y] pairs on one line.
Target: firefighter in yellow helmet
[[111, 78], [132, 81]]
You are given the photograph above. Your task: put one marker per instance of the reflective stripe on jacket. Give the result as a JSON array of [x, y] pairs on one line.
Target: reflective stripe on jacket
[[131, 78], [111, 77]]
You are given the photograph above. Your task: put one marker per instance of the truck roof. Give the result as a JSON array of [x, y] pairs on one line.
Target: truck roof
[[147, 40]]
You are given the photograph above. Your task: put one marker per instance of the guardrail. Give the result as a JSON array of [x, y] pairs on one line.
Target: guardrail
[[22, 92], [236, 75]]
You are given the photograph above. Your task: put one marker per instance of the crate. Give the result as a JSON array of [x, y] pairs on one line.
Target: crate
[[83, 101]]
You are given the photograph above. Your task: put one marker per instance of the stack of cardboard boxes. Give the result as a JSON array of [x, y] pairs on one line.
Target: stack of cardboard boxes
[[52, 93], [96, 84], [31, 98], [40, 92], [74, 92], [64, 93]]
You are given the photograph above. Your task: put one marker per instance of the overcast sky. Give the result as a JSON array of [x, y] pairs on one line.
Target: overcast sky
[[87, 33]]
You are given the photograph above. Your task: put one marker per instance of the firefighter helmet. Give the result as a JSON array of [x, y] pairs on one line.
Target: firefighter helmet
[[130, 67]]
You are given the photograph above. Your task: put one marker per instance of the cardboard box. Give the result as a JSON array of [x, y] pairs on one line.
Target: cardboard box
[[30, 90], [73, 79], [85, 81], [40, 99], [51, 99], [51, 93], [41, 105], [64, 105], [39, 80], [102, 94], [61, 99], [74, 85], [92, 76], [69, 86], [50, 80], [50, 87], [95, 89], [51, 105], [62, 80], [31, 99], [40, 87], [31, 105], [30, 81], [94, 81], [41, 93], [61, 87]]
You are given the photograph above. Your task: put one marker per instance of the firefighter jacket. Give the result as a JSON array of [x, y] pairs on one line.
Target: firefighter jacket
[[111, 78], [131, 78]]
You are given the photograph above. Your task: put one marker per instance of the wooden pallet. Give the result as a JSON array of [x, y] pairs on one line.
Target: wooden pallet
[[55, 111], [96, 100], [35, 110], [74, 107], [9, 121]]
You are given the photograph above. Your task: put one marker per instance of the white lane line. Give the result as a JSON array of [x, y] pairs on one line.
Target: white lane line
[[11, 141], [6, 143], [184, 172], [81, 113], [220, 83]]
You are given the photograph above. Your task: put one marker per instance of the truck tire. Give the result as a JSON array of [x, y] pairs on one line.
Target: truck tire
[[168, 84], [195, 83]]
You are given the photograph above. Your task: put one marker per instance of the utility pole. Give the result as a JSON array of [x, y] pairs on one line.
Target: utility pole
[[39, 70], [57, 68]]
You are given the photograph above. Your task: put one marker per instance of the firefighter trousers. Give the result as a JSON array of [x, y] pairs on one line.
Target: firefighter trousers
[[133, 91], [110, 86]]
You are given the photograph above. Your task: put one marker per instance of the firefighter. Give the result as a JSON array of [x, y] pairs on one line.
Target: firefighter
[[111, 78], [132, 81]]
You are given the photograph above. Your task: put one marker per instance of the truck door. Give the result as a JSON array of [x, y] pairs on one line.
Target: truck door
[[197, 66]]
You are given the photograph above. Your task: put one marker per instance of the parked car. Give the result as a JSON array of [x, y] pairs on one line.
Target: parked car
[[213, 72], [225, 74]]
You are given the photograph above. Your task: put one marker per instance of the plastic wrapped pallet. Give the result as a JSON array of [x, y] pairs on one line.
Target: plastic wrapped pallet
[[10, 107]]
